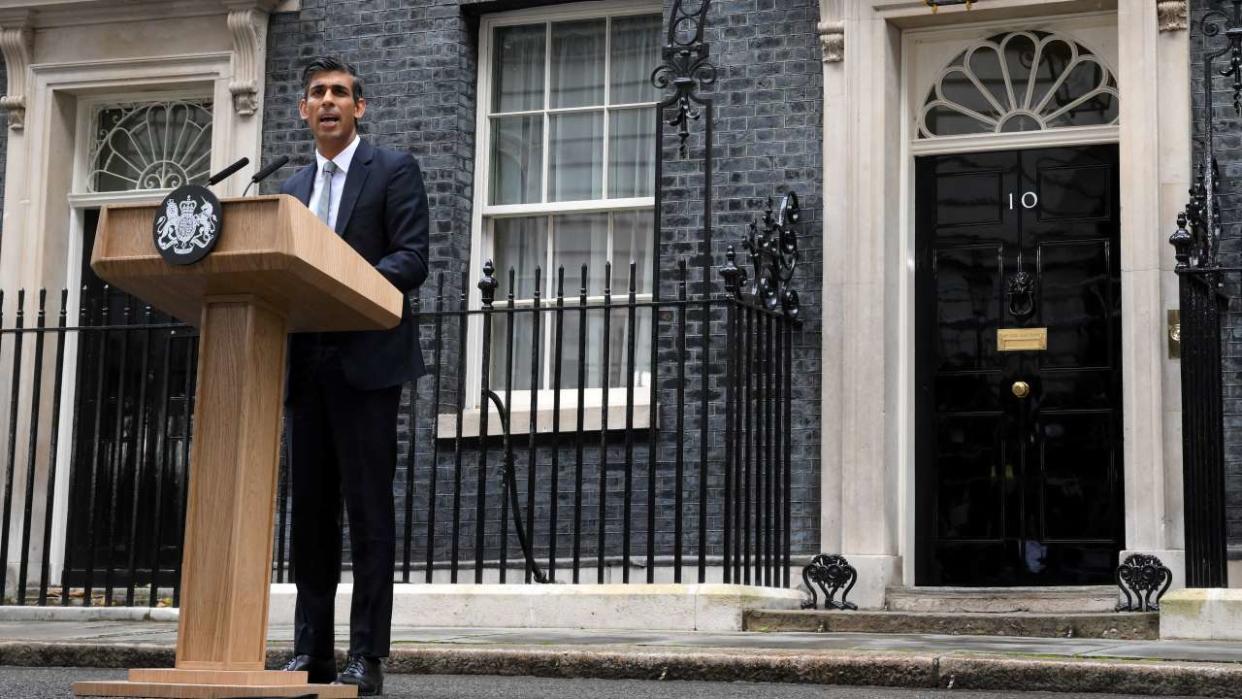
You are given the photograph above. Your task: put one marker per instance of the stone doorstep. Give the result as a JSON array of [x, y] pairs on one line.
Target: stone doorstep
[[952, 670], [658, 607], [1022, 624], [1202, 614], [1002, 600]]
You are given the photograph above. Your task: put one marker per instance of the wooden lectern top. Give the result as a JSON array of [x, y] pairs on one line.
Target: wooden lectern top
[[270, 247]]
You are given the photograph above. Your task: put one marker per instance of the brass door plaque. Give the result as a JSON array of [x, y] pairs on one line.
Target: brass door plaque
[[1021, 339]]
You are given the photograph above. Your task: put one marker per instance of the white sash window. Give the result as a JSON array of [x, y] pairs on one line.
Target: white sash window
[[566, 176]]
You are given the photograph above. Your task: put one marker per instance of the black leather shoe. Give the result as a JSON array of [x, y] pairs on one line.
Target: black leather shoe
[[318, 670], [365, 673]]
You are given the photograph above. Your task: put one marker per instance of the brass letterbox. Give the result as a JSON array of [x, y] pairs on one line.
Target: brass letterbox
[[1021, 339]]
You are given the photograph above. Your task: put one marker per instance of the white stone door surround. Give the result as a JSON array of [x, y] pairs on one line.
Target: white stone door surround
[[867, 432]]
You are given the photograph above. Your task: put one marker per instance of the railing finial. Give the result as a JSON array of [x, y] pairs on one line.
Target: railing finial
[[488, 283]]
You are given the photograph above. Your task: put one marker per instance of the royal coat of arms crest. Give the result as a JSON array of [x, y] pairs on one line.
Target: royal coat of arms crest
[[187, 224]]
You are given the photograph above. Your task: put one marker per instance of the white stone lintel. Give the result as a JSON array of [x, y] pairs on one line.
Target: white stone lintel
[[707, 607]]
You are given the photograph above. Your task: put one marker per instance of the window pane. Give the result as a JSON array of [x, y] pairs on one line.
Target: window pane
[[576, 165], [618, 356], [524, 350], [635, 53], [631, 242], [578, 63], [520, 244], [518, 68], [581, 239], [618, 348], [631, 166], [517, 160], [590, 359]]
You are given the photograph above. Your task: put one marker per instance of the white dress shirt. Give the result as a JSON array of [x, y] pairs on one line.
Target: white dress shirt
[[342, 160]]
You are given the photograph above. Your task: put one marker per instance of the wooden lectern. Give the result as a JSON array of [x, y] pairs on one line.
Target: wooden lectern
[[275, 269]]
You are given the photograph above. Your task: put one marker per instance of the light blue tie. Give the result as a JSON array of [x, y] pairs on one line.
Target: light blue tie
[[324, 204]]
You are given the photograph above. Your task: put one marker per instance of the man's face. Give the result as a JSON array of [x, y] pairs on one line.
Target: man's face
[[330, 110]]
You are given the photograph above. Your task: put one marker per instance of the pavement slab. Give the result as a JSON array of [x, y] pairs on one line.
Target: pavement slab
[[927, 661]]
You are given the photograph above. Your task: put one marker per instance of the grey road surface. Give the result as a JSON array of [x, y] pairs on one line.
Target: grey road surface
[[53, 683]]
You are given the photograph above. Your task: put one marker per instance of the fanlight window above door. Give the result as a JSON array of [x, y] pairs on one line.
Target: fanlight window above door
[[152, 145], [1020, 81]]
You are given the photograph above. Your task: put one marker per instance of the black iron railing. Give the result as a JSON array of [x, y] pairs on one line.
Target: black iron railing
[[590, 465], [107, 451]]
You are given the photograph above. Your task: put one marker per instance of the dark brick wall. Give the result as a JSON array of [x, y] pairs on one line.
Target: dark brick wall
[[1229, 153], [419, 62]]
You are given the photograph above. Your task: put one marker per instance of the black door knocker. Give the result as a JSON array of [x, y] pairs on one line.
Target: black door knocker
[[1021, 295]]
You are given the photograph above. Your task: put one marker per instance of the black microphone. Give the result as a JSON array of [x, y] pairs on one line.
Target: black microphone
[[266, 171], [228, 171], [269, 169]]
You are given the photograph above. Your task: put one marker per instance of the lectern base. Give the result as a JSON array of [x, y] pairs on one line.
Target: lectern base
[[169, 683]]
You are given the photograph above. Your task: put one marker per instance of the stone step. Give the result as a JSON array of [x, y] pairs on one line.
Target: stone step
[[1120, 626], [1002, 600]]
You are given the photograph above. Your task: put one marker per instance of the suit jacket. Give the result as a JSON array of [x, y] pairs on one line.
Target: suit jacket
[[383, 216]]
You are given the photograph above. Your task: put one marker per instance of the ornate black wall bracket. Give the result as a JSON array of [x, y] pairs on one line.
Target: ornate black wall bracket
[[773, 248], [686, 67], [1146, 576], [833, 574]]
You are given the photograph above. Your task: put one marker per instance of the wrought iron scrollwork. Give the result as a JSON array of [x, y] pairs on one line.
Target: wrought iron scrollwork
[[1145, 576], [1213, 24], [686, 67], [833, 574], [773, 249], [1196, 241]]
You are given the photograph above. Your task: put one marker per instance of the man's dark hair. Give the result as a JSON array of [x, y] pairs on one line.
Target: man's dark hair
[[329, 64]]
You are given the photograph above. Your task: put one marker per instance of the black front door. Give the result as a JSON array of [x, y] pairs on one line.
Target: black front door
[[1019, 458]]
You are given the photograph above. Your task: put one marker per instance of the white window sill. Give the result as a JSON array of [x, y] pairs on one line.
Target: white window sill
[[592, 415]]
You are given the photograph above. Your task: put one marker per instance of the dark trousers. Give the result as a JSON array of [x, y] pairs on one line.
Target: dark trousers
[[343, 441]]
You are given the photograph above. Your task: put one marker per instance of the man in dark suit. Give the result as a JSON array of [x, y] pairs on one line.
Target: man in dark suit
[[345, 388]]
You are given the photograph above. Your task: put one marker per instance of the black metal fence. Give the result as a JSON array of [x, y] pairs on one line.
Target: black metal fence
[[1203, 304], [98, 417], [579, 438]]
